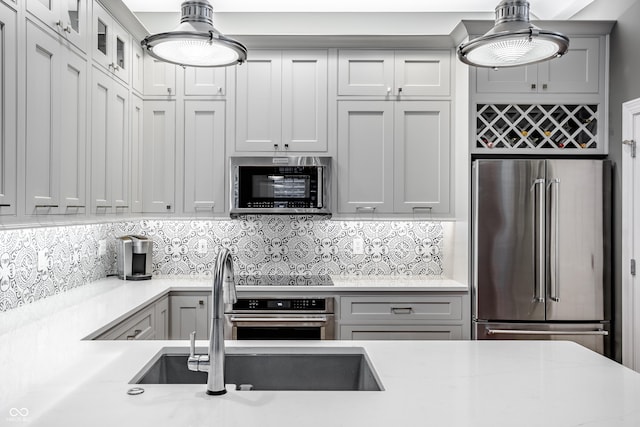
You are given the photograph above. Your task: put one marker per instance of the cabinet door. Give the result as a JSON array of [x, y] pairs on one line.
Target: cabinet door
[[118, 133], [42, 122], [102, 36], [507, 80], [74, 21], [258, 102], [137, 68], [162, 319], [73, 133], [204, 156], [48, 11], [304, 100], [575, 72], [159, 77], [159, 153], [100, 130], [121, 52], [365, 72], [422, 151], [137, 155], [205, 81], [8, 110], [365, 156], [400, 332], [422, 73], [188, 314]]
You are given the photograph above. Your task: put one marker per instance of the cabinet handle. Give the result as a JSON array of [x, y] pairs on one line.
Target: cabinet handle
[[402, 310], [75, 206], [399, 90], [545, 86], [200, 302], [135, 334], [5, 205], [122, 207], [286, 146], [388, 90], [46, 206], [169, 90], [67, 29], [533, 86], [203, 205], [371, 209], [275, 146]]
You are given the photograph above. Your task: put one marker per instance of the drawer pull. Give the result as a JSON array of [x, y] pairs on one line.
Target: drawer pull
[[135, 334], [402, 310]]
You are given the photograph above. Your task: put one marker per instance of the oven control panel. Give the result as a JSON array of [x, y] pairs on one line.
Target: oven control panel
[[286, 304]]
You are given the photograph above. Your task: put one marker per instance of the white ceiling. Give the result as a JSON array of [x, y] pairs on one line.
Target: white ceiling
[[541, 9]]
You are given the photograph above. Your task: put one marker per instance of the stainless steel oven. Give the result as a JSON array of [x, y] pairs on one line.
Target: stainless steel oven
[[280, 319]]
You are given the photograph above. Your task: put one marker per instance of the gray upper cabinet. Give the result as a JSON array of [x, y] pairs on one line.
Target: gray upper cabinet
[[578, 71], [422, 155], [137, 153], [111, 44], [110, 170], [8, 109], [158, 180], [137, 68], [204, 156], [365, 156], [159, 77], [67, 18], [394, 157], [55, 126], [281, 101], [205, 81], [394, 73]]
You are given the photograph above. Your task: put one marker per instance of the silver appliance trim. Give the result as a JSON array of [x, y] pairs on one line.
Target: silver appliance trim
[[535, 332]]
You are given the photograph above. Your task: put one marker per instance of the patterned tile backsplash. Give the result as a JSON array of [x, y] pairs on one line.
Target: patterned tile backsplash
[[38, 262]]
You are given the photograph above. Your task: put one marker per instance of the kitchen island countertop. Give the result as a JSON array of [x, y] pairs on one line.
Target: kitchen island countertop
[[51, 376]]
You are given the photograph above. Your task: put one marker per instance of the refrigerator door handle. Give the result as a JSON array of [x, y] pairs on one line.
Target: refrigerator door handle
[[539, 252], [554, 189], [536, 332]]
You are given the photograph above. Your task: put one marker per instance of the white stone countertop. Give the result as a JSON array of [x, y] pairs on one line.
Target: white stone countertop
[[54, 378]]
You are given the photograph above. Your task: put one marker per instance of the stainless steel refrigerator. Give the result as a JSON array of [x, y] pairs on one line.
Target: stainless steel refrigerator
[[541, 250]]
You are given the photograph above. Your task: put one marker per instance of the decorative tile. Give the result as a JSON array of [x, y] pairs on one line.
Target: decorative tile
[[286, 245]]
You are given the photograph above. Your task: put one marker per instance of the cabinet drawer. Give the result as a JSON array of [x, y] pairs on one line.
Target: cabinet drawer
[[401, 308], [400, 332], [138, 327]]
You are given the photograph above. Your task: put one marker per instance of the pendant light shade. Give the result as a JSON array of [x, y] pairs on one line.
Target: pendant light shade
[[513, 41], [195, 42]]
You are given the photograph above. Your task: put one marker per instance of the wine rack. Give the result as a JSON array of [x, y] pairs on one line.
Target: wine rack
[[536, 126]]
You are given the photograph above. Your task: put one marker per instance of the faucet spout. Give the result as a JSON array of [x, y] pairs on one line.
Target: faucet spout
[[223, 291]]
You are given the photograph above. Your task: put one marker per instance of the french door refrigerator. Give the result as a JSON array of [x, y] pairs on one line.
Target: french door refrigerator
[[541, 250]]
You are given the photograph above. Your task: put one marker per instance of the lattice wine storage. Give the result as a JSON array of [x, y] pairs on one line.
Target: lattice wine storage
[[536, 126]]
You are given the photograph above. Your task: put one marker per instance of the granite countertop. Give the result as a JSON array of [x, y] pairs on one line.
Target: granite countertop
[[51, 376]]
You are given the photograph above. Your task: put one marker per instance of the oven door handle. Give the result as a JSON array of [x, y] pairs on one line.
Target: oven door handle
[[279, 319]]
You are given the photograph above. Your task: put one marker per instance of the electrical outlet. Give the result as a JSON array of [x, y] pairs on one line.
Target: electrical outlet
[[43, 260], [358, 246], [102, 247], [202, 247]]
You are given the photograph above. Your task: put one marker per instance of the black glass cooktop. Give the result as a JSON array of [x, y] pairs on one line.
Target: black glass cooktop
[[281, 280]]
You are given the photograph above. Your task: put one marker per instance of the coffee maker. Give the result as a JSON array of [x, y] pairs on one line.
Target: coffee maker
[[134, 257]]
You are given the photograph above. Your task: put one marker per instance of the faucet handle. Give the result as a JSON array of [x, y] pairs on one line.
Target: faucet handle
[[192, 345]]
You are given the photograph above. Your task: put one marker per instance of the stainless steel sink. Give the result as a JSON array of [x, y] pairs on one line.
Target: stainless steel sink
[[271, 368]]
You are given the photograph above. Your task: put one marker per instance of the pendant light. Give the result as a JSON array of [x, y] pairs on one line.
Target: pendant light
[[195, 42], [513, 41]]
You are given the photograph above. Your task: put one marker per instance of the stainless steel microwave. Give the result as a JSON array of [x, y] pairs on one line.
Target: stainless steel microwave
[[279, 185]]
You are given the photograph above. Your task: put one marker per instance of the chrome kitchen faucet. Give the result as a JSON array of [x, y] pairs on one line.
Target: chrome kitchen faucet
[[223, 291]]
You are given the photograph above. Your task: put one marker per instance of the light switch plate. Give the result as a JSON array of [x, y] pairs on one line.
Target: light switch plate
[[102, 247], [358, 246], [202, 247], [43, 260]]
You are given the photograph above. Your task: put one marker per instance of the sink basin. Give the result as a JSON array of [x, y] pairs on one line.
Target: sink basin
[[271, 368]]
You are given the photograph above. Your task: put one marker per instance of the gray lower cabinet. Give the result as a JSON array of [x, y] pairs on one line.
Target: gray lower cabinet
[[140, 326], [188, 313], [404, 317], [150, 323]]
